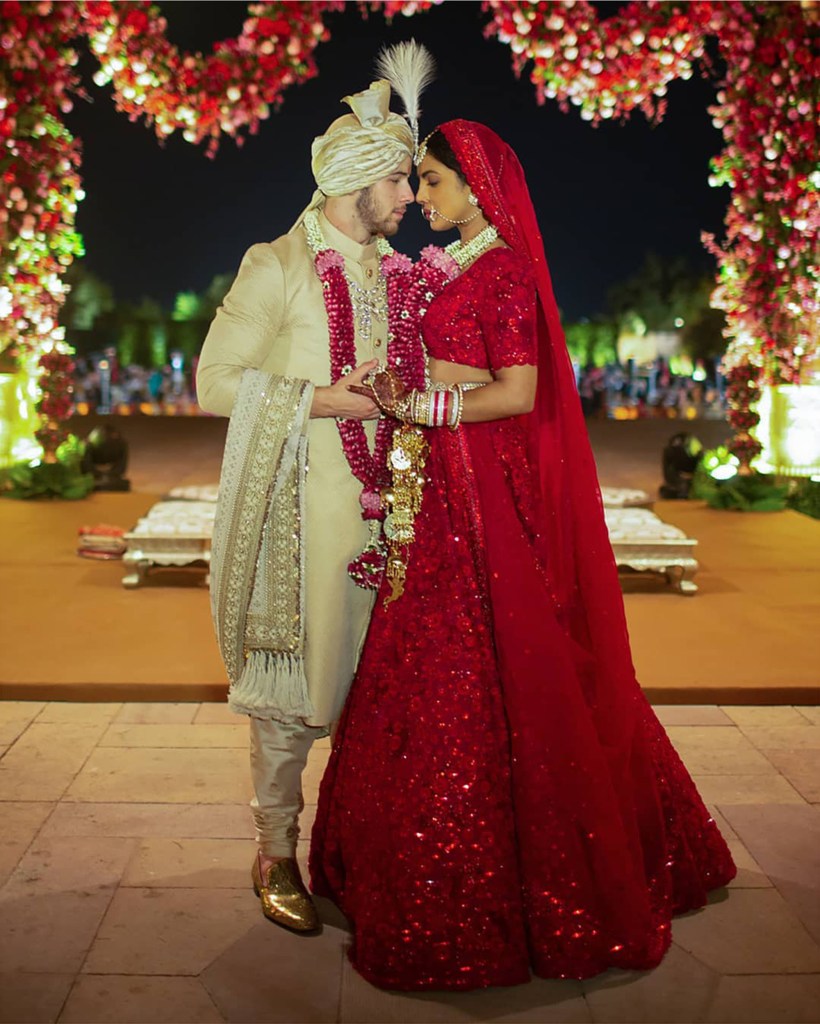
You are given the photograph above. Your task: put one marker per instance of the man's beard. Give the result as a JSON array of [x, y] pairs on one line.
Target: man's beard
[[368, 214]]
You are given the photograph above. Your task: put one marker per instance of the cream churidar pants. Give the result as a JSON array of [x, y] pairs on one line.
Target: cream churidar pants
[[279, 753]]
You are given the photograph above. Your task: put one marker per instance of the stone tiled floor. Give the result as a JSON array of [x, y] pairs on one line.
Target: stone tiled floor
[[125, 847]]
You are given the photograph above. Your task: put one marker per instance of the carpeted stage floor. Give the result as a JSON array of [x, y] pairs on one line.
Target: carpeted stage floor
[[70, 631]]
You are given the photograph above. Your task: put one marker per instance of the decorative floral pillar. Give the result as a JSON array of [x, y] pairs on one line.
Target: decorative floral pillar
[[39, 193], [742, 392], [55, 404]]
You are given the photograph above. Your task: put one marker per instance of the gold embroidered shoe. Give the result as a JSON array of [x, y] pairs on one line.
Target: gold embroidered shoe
[[283, 896]]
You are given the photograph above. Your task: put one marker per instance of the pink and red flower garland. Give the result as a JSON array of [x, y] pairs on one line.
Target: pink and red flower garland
[[410, 289], [369, 468]]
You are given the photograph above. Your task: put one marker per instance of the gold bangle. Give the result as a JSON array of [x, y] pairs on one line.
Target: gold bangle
[[417, 415]]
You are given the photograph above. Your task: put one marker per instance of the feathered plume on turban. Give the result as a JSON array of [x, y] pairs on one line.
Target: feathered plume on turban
[[409, 69]]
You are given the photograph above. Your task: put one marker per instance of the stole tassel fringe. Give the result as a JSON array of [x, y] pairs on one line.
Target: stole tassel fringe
[[272, 685]]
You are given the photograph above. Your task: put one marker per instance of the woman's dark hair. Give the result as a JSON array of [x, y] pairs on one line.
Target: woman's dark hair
[[440, 148]]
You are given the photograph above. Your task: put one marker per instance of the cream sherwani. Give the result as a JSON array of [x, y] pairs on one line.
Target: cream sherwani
[[273, 319]]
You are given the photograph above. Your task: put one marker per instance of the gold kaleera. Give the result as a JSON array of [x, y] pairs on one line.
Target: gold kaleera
[[405, 460]]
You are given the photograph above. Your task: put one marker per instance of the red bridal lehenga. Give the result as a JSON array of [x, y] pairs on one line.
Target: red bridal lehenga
[[500, 798]]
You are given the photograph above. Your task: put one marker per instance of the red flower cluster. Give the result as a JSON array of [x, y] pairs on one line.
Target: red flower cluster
[[55, 404], [367, 569], [39, 181], [607, 68], [768, 109], [390, 8], [742, 391], [228, 91]]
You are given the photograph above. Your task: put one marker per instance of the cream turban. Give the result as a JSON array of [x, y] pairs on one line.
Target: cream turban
[[361, 148]]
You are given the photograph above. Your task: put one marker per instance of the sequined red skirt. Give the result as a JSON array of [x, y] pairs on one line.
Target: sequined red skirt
[[484, 814]]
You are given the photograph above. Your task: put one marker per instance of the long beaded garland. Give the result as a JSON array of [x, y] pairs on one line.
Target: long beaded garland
[[404, 353]]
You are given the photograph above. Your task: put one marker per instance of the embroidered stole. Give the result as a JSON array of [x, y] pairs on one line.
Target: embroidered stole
[[257, 551]]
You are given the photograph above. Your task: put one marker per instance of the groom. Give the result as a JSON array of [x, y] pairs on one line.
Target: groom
[[289, 620]]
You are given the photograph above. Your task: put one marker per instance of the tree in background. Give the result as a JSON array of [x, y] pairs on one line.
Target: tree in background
[[704, 336], [89, 298], [143, 336], [186, 307], [193, 313], [592, 341], [664, 294], [211, 298]]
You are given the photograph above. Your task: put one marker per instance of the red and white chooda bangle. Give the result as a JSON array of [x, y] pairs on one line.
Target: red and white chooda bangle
[[433, 407]]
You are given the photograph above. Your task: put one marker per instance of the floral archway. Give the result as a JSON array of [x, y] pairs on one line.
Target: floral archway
[[766, 108]]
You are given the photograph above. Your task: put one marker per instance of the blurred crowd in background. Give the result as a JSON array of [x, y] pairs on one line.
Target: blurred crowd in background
[[102, 385], [654, 351]]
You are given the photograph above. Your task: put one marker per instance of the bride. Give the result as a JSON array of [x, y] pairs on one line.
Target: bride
[[500, 798]]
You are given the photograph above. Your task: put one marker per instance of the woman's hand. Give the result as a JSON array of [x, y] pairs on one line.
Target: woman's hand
[[385, 388]]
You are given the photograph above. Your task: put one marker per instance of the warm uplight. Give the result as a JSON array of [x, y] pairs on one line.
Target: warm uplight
[[789, 414]]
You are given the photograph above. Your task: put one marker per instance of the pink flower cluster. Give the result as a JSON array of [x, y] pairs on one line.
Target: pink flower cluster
[[396, 263], [328, 259], [768, 109], [55, 404], [440, 260], [607, 68], [228, 91], [39, 179]]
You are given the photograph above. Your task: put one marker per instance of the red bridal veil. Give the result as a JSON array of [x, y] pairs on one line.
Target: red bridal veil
[[580, 563]]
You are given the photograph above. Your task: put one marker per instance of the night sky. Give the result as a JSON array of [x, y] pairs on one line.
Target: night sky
[[162, 219]]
